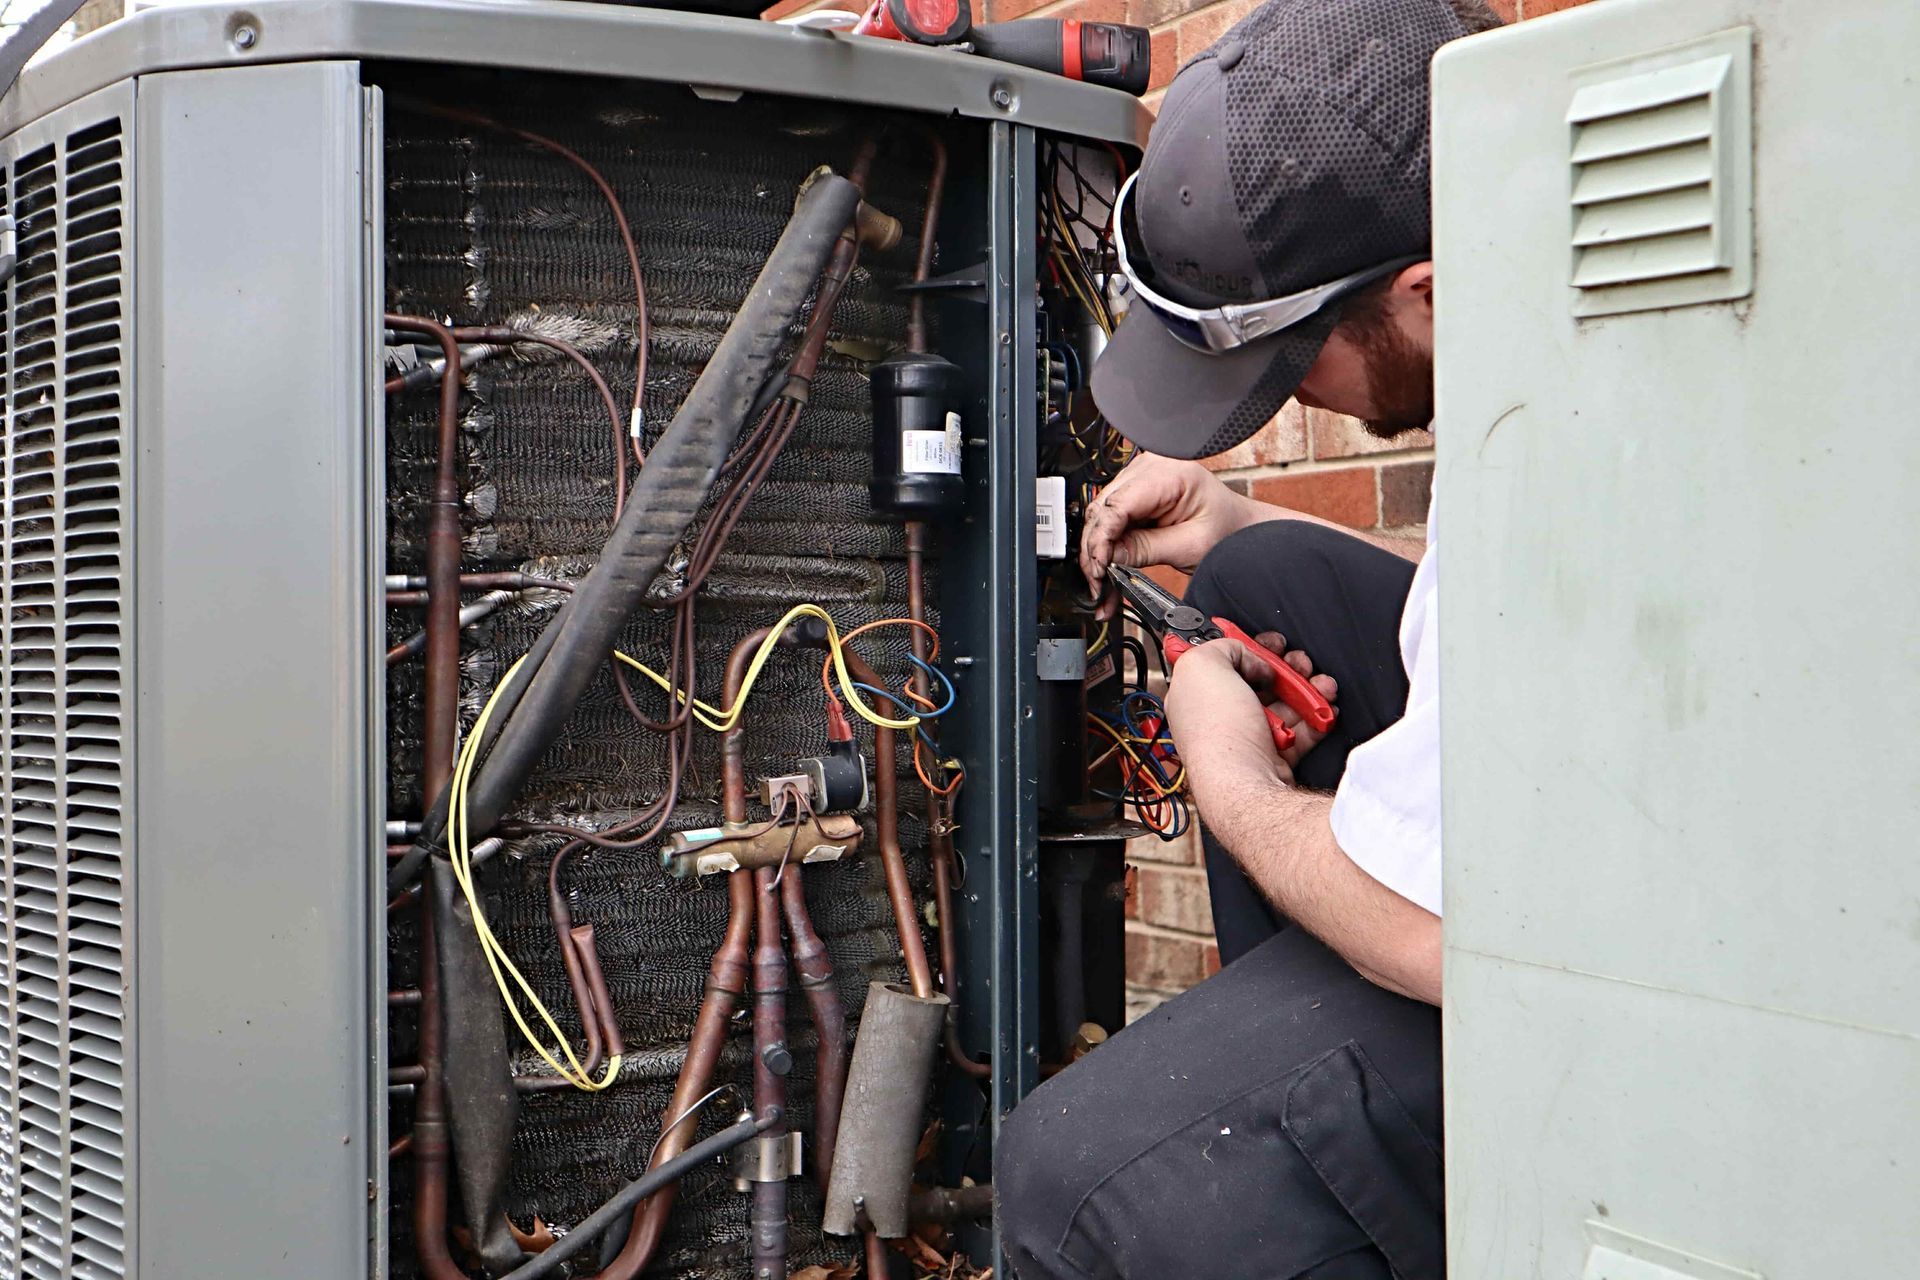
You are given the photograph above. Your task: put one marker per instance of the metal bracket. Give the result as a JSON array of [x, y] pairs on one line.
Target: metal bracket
[[1061, 658], [768, 1158], [968, 282]]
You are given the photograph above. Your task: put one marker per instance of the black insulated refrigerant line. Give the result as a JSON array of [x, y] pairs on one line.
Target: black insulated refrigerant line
[[661, 1175]]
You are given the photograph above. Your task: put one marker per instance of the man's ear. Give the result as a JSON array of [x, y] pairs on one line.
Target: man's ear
[[1413, 286]]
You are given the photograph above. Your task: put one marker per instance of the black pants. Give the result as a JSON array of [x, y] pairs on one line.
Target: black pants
[[1280, 1121]]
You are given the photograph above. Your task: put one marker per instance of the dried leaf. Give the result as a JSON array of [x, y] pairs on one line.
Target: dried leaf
[[929, 1143], [817, 1272], [920, 1253], [538, 1240]]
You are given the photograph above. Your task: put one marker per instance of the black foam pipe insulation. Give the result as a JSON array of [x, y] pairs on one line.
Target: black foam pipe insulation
[[661, 505]]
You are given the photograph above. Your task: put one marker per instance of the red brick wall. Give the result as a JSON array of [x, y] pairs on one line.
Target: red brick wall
[[1318, 462]]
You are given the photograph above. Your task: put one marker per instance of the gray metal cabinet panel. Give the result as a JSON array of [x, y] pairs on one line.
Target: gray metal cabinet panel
[[1734, 1133], [1682, 551], [1682, 721], [253, 612]]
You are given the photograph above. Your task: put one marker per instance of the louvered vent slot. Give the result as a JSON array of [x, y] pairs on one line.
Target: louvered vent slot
[[63, 1177], [1660, 193], [10, 889]]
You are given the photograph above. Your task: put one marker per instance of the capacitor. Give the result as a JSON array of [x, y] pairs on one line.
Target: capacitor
[[917, 437]]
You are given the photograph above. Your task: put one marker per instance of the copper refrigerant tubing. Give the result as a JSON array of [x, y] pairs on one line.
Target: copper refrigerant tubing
[[939, 823], [811, 962], [929, 227], [726, 984], [939, 828], [772, 1060], [886, 788], [432, 1150], [505, 336], [591, 1019], [641, 324], [414, 592]]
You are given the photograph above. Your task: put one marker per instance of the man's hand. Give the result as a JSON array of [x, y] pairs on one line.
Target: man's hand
[[1165, 511], [1158, 511], [1219, 691], [1281, 835]]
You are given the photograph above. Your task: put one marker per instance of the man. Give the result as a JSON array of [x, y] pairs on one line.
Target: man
[[1282, 1119]]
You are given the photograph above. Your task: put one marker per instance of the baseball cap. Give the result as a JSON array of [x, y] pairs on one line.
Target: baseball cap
[[1289, 166]]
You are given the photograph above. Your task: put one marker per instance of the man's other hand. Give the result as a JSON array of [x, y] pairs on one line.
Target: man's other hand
[[1220, 691], [1157, 511]]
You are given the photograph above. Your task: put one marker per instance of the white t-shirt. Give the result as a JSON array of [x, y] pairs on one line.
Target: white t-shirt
[[1386, 813]]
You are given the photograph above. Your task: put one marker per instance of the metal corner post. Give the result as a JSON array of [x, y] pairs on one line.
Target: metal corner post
[[373, 190], [989, 564], [251, 623], [1014, 997]]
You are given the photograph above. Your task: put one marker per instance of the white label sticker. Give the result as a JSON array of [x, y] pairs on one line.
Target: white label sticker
[[1050, 517], [938, 452]]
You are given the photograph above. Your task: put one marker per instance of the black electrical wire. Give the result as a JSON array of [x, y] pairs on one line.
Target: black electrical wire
[[1134, 616], [669, 1171], [1127, 644]]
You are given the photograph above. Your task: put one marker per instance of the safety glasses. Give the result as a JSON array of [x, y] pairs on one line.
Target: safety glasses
[[1226, 328]]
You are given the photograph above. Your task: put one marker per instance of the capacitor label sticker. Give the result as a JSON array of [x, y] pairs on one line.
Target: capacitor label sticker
[[936, 452]]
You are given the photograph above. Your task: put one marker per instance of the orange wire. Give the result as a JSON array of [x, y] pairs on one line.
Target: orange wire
[[826, 663], [1135, 764], [933, 651], [927, 782]]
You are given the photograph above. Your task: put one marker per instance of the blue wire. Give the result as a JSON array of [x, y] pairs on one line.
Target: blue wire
[[1073, 358], [1154, 740], [932, 670], [895, 698], [1154, 706]]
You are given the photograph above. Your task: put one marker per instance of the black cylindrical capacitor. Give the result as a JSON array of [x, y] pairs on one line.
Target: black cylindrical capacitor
[[917, 437]]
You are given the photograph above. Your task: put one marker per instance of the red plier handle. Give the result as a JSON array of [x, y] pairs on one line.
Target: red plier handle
[[1293, 688]]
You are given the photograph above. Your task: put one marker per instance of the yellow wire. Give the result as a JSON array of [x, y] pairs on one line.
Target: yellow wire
[[1146, 775], [1097, 309], [1099, 639], [497, 959], [722, 720], [460, 837]]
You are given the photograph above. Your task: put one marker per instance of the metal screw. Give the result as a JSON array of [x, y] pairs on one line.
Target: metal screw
[[244, 36], [1002, 96], [964, 660]]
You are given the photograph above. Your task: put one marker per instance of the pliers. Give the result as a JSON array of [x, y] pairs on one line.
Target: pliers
[[1179, 627]]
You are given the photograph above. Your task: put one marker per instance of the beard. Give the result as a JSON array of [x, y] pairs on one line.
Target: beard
[[1399, 374]]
